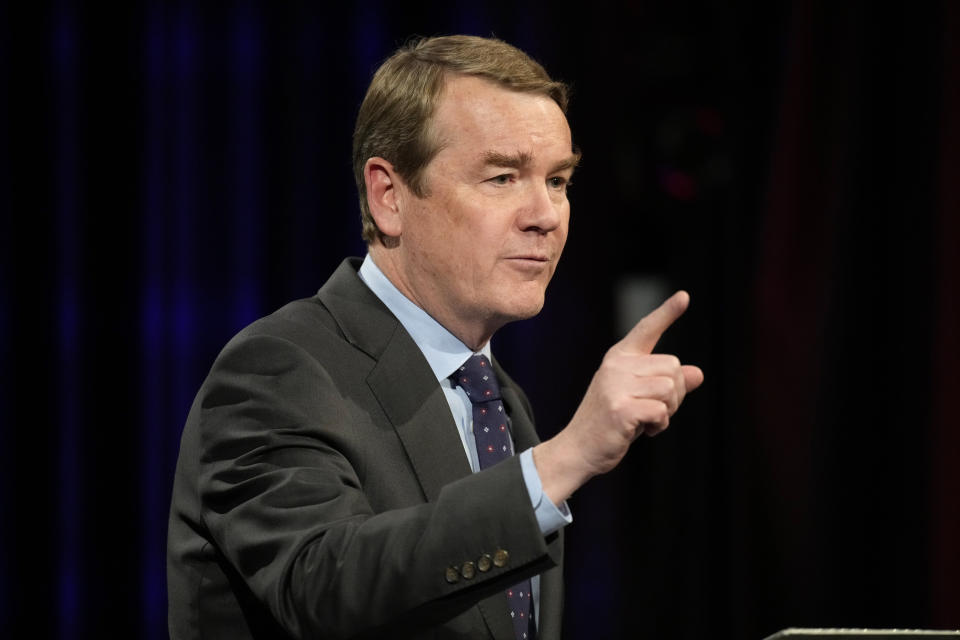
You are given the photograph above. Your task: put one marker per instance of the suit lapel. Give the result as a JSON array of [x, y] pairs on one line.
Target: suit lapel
[[401, 380], [524, 435], [411, 397], [521, 420]]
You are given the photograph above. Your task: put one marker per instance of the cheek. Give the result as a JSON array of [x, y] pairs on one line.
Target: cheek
[[562, 231]]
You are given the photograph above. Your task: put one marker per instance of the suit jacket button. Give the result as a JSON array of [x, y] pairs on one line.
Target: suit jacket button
[[484, 562], [468, 570], [451, 575], [500, 557]]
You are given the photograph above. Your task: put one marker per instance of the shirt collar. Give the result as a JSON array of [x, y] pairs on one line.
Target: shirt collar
[[443, 350]]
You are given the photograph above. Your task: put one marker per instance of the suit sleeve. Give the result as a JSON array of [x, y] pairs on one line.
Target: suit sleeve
[[286, 507]]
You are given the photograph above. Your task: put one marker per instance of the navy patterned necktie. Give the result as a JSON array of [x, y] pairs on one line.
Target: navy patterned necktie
[[492, 435]]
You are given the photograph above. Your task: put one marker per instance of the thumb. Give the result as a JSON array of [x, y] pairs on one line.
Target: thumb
[[646, 333], [692, 376]]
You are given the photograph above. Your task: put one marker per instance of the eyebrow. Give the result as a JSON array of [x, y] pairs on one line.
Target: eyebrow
[[570, 163], [516, 160], [522, 159]]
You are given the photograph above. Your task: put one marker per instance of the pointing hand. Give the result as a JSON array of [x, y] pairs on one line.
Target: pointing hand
[[635, 391]]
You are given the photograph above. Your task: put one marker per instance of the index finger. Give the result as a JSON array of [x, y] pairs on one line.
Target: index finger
[[646, 333]]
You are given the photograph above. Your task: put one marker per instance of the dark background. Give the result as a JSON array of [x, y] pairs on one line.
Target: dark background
[[171, 171]]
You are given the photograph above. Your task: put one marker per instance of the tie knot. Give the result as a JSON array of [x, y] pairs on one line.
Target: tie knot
[[477, 379]]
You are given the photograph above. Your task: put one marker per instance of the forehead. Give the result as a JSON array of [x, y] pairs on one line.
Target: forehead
[[475, 116]]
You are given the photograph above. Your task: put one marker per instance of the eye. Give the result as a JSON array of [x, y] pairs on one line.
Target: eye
[[503, 178], [558, 182]]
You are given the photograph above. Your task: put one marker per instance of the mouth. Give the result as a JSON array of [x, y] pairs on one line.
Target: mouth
[[532, 263], [531, 258]]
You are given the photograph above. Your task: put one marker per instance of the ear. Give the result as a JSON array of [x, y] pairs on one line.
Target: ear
[[383, 196]]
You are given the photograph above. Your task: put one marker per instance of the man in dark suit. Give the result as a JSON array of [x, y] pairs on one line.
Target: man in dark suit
[[337, 474]]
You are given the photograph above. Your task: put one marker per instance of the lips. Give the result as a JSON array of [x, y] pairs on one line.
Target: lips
[[531, 264], [531, 257]]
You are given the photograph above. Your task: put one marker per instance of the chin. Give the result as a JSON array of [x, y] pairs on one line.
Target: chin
[[524, 309]]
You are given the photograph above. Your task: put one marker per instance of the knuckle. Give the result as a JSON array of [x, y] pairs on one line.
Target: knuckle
[[664, 413], [616, 406]]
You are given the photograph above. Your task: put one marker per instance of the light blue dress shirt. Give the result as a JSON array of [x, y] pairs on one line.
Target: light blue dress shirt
[[445, 353]]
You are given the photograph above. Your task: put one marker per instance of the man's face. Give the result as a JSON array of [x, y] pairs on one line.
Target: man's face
[[479, 249]]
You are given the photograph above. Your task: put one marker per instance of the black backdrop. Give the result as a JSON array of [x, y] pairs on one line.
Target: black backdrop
[[171, 171]]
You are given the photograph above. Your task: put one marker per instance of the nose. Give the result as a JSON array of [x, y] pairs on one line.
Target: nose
[[544, 210]]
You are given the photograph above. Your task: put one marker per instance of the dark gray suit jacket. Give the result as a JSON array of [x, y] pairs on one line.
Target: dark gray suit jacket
[[322, 490]]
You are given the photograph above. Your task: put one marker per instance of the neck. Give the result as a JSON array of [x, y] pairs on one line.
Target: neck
[[474, 334]]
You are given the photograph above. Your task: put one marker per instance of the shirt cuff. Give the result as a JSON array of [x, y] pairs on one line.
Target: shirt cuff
[[549, 516]]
